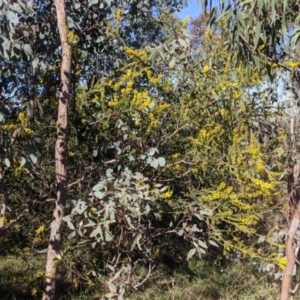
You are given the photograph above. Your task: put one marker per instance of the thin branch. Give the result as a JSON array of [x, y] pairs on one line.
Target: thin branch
[[75, 182], [263, 55], [15, 136], [147, 276], [16, 220]]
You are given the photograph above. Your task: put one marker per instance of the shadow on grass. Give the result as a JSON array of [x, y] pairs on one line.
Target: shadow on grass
[[22, 279]]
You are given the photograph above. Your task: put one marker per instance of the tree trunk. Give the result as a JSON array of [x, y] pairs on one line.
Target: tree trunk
[[60, 153], [5, 198], [294, 197]]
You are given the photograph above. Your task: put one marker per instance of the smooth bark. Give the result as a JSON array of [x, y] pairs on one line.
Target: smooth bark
[[60, 153], [294, 198], [5, 198]]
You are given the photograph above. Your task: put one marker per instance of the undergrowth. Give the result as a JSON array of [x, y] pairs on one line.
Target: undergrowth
[[22, 278]]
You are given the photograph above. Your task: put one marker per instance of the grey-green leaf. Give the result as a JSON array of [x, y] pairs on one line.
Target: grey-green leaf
[[257, 34], [33, 158], [191, 253], [161, 161], [23, 161], [7, 162], [213, 243], [71, 226], [91, 2], [13, 17], [202, 244], [27, 49]]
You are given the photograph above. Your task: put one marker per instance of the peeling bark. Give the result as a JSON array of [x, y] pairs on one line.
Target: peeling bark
[[60, 153]]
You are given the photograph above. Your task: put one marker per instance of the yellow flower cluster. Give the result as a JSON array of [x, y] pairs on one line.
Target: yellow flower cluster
[[236, 95], [72, 38], [249, 220], [208, 34], [140, 54], [90, 283], [254, 150], [95, 100], [3, 220], [206, 69], [167, 194], [137, 121], [37, 240], [281, 262], [34, 291], [207, 135], [23, 119], [177, 167], [238, 203], [140, 100], [70, 153], [28, 131], [75, 283], [153, 122], [161, 107], [9, 127], [114, 102], [261, 47], [185, 22], [40, 230], [260, 167], [292, 65], [19, 170], [263, 185], [222, 192], [156, 253], [119, 14], [155, 80], [39, 274], [175, 155], [226, 84], [224, 113]]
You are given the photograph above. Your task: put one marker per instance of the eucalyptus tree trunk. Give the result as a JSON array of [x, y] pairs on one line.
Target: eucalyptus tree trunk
[[294, 201], [60, 153], [5, 198], [294, 197]]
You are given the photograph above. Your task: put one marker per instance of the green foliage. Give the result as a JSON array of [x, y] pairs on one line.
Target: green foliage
[[171, 153], [259, 30], [235, 281]]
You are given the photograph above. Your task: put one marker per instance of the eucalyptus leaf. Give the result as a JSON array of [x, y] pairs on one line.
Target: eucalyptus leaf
[[7, 162], [191, 253], [154, 163], [70, 225], [27, 49], [23, 161], [202, 244], [213, 243], [92, 2], [42, 251], [12, 17], [33, 158], [161, 161]]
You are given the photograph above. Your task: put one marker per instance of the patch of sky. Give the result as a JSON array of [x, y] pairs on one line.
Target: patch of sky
[[194, 8]]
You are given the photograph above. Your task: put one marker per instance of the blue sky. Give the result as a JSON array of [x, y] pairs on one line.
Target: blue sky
[[194, 9]]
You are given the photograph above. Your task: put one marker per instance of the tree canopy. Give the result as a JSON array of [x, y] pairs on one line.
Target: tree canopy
[[165, 137]]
